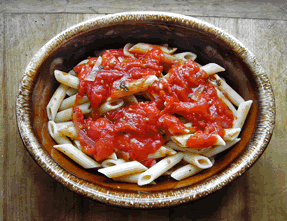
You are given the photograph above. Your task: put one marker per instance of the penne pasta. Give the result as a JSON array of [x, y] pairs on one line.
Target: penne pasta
[[212, 68], [68, 131], [185, 171], [67, 79], [143, 48], [55, 101], [64, 124], [71, 101], [233, 96], [226, 101], [71, 91], [112, 162], [94, 71], [218, 149], [72, 72], [130, 179], [78, 145], [169, 172], [172, 145], [181, 140], [231, 134], [219, 141], [241, 115], [126, 89], [126, 50], [162, 152], [197, 160], [168, 59], [78, 156], [109, 106], [53, 131], [67, 114], [123, 169], [159, 168], [113, 156], [185, 56]]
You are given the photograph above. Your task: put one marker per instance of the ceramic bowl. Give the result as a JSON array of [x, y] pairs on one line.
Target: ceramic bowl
[[210, 44]]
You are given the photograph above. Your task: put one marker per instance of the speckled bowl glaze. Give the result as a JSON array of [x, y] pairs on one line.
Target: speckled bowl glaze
[[211, 44]]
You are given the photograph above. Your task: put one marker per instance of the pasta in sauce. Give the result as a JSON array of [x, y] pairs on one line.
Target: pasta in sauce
[[146, 106]]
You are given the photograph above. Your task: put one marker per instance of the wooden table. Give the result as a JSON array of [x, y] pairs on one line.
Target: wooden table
[[28, 193]]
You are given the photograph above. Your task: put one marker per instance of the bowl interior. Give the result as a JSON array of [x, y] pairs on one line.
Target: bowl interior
[[208, 48]]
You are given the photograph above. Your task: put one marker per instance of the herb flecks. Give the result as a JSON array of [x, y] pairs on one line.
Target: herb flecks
[[123, 86]]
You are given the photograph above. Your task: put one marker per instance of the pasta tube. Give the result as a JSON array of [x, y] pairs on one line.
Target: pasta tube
[[241, 115], [71, 101], [78, 145], [56, 101], [130, 178], [67, 114], [218, 149], [231, 134], [53, 131], [181, 140], [226, 101], [212, 68], [113, 156], [185, 56], [109, 106], [69, 131], [112, 162], [71, 91], [197, 160], [67, 79], [72, 72], [162, 152], [233, 96], [123, 169], [185, 171], [172, 145], [64, 124], [142, 48], [125, 89], [78, 156], [159, 168]]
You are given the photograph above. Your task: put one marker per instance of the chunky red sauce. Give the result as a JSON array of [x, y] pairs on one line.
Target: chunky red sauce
[[137, 130]]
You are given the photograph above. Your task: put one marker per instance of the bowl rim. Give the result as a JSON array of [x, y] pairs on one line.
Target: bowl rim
[[173, 197]]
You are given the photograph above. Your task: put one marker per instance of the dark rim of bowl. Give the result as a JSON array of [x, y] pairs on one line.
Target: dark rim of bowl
[[257, 145]]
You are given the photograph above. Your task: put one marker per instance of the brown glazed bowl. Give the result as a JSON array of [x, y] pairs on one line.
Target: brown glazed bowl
[[210, 44]]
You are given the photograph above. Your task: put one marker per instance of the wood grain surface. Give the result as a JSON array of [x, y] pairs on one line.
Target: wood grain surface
[[28, 193], [267, 9]]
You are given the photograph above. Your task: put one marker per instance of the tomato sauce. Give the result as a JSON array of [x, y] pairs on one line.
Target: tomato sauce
[[137, 130]]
